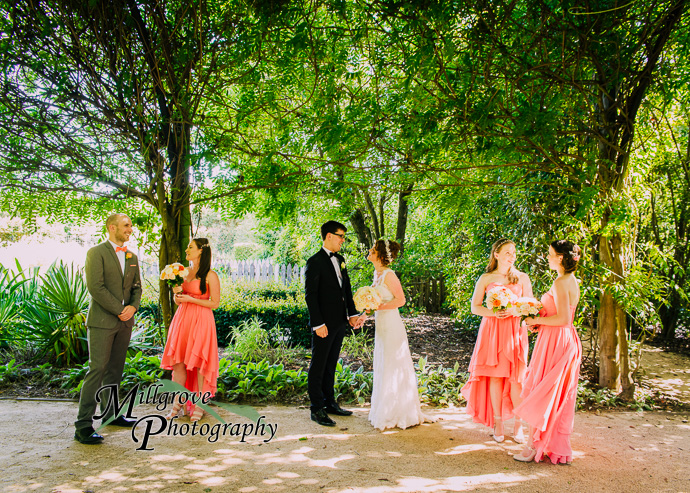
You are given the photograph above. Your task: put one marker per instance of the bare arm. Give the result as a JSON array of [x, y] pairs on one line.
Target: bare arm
[[526, 285], [213, 286], [477, 305], [393, 284]]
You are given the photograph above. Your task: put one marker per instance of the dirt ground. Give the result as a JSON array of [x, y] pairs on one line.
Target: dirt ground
[[613, 451]]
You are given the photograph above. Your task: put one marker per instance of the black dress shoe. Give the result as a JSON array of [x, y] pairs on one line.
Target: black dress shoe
[[87, 436], [337, 410], [122, 421], [322, 418]]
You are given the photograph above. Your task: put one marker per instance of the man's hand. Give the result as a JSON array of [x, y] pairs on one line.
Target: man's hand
[[322, 331], [127, 313], [357, 322]]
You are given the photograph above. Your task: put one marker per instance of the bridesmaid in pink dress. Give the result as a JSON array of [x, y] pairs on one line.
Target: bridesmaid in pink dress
[[499, 361], [550, 389], [191, 351]]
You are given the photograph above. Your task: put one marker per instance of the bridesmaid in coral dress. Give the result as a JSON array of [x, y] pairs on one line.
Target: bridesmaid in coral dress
[[191, 351], [499, 361], [550, 389]]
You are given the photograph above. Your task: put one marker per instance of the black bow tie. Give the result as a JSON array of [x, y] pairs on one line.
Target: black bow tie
[[331, 254]]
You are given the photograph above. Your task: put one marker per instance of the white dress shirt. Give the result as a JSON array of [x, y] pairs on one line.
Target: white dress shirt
[[120, 256], [336, 266]]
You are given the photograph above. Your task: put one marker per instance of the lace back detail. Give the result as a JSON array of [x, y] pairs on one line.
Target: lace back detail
[[378, 280]]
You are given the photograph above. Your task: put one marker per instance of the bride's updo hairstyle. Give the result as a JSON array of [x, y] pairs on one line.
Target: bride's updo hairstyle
[[571, 254], [204, 261], [386, 251], [493, 262]]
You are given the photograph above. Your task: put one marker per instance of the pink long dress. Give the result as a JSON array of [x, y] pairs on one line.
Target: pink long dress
[[500, 351], [550, 389], [192, 340]]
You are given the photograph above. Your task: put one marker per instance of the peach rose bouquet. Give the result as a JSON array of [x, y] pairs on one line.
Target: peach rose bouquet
[[526, 307], [500, 298], [367, 299], [174, 274]]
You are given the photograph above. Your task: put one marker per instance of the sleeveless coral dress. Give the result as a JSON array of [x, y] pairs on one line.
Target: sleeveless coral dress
[[500, 351], [550, 389], [192, 340]]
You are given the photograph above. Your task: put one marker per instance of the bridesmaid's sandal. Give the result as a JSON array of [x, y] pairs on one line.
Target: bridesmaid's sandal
[[498, 438], [177, 410], [518, 432], [197, 414], [527, 455]]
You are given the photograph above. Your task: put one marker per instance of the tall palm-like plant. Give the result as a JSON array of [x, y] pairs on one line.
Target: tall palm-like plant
[[10, 299], [55, 321]]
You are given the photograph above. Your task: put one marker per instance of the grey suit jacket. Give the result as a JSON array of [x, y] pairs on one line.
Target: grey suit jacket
[[110, 290]]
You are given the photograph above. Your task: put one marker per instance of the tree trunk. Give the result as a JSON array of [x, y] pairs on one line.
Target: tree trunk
[[372, 213], [403, 209], [614, 362], [669, 316], [175, 213], [361, 229]]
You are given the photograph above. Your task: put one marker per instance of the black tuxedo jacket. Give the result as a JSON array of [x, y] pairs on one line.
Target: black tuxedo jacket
[[327, 301]]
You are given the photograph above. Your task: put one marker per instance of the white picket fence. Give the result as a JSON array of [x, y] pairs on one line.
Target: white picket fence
[[259, 271]]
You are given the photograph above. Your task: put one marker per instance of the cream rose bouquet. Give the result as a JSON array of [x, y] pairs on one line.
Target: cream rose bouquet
[[500, 298], [526, 307], [367, 299], [174, 274]]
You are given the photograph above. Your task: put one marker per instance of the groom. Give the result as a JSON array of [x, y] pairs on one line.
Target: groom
[[112, 278], [329, 300]]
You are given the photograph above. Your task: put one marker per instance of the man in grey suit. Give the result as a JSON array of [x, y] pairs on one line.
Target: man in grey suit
[[112, 278]]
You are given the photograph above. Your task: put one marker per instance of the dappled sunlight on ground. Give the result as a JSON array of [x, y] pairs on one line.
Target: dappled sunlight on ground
[[667, 372], [457, 483], [453, 454]]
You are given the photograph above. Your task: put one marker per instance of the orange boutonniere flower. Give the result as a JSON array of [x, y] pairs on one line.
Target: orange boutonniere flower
[[129, 255]]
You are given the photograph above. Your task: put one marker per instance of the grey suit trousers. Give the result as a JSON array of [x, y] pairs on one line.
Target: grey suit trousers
[[107, 353]]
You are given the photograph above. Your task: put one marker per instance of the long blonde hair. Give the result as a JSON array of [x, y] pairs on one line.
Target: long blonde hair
[[493, 262]]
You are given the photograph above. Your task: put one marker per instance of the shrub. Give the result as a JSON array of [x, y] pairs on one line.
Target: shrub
[[138, 369], [359, 345], [272, 304], [440, 386], [260, 380], [251, 341], [55, 321]]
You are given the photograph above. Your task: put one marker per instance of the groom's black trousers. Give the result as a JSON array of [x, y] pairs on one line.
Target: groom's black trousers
[[325, 352]]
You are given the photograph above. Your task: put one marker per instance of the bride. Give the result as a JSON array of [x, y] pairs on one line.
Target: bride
[[395, 398]]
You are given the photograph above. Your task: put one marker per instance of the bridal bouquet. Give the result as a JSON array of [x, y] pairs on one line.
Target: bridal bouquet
[[500, 298], [174, 274], [526, 307], [367, 299]]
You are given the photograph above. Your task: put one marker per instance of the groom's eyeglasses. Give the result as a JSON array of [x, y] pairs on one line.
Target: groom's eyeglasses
[[342, 236]]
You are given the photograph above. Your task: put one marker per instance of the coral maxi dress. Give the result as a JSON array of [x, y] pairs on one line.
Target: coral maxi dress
[[192, 340], [550, 389], [500, 351]]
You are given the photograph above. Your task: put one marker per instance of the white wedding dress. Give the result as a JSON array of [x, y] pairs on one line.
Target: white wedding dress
[[395, 397]]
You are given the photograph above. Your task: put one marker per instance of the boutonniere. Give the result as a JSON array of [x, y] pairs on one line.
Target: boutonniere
[[342, 265], [129, 255]]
